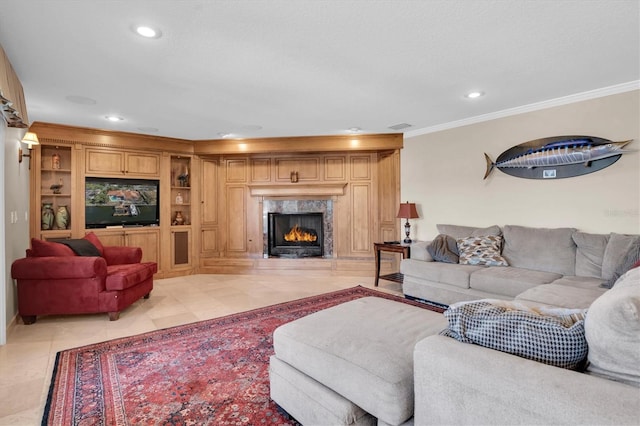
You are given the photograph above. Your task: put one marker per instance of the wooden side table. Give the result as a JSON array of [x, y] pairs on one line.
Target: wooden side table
[[405, 249]]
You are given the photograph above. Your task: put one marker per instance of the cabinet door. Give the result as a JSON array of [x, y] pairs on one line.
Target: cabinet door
[[111, 238], [148, 241], [104, 162], [142, 164], [361, 243], [308, 169], [209, 192], [180, 248], [236, 219]]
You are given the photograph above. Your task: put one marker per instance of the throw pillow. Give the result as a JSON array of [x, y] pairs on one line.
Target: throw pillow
[[481, 251], [93, 239], [444, 248], [553, 336], [42, 248], [612, 329], [626, 263]]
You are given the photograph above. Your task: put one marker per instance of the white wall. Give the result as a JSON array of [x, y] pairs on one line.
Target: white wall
[[14, 197], [442, 172]]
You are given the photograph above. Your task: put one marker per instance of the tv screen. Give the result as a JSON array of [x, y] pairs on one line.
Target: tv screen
[[116, 201]]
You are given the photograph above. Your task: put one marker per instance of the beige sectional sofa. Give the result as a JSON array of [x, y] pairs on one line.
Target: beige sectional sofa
[[375, 361], [561, 267]]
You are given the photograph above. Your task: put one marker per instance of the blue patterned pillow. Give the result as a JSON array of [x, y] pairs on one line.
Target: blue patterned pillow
[[553, 336]]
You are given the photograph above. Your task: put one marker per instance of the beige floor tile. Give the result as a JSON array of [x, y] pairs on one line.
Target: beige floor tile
[[26, 361]]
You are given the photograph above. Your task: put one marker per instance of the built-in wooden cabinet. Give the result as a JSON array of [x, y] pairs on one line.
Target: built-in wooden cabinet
[[55, 192], [181, 197], [102, 162], [220, 198]]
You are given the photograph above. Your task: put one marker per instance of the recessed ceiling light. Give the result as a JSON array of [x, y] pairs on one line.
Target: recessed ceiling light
[[147, 32], [474, 95], [355, 130], [113, 118], [224, 135]]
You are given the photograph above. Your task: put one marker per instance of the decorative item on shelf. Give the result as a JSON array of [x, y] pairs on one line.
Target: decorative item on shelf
[[407, 211], [179, 199], [183, 177], [178, 219], [55, 161], [57, 187], [294, 177], [62, 217], [47, 216]]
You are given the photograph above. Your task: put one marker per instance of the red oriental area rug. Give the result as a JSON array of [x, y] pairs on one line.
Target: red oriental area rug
[[213, 372]]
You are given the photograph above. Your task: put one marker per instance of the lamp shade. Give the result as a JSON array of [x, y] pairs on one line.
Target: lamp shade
[[31, 139], [407, 211]]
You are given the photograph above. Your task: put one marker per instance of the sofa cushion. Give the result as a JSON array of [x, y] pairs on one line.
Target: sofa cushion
[[542, 249], [444, 248], [509, 281], [453, 274], [120, 277], [564, 293], [549, 335], [459, 231], [481, 251], [613, 331], [589, 253], [361, 349], [625, 263], [40, 248], [616, 249], [93, 239]]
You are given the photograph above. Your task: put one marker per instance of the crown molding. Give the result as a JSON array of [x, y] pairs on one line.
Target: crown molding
[[578, 97]]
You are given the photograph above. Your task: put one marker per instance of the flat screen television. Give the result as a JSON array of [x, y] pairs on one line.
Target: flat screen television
[[118, 201]]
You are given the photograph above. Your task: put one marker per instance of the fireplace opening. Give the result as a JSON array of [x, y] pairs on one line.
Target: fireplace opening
[[295, 234]]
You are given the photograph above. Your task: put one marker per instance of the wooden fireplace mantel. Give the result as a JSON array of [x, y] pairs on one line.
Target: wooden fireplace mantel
[[299, 190]]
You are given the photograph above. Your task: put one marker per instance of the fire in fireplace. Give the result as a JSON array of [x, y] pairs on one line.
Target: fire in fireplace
[[295, 234]]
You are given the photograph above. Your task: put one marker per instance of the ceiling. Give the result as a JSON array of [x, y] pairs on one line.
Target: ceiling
[[269, 68]]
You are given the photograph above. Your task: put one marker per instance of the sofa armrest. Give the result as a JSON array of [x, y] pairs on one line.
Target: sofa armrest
[[121, 255], [419, 251], [460, 383], [59, 267]]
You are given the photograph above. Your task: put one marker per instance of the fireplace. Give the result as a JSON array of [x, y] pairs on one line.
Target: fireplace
[[295, 234]]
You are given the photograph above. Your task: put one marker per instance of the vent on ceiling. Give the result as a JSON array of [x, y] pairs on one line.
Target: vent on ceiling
[[400, 126]]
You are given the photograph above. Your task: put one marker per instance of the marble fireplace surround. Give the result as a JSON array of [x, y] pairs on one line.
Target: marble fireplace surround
[[299, 198]]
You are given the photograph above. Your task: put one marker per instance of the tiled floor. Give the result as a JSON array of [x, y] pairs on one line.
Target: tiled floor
[[26, 361]]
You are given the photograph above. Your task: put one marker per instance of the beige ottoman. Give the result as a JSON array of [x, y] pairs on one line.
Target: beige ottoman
[[337, 365]]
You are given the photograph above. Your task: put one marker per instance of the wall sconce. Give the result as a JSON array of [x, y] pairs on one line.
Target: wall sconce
[[30, 139], [407, 211]]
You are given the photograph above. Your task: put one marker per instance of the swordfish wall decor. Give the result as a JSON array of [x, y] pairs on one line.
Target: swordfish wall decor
[[557, 157]]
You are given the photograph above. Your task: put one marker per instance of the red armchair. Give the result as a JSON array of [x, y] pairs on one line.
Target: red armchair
[[54, 280]]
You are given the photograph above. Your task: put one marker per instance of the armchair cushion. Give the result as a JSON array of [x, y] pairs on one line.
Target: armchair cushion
[[116, 255], [40, 248], [93, 239], [121, 277]]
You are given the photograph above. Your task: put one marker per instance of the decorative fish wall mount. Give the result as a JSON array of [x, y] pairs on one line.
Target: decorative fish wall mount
[[557, 157]]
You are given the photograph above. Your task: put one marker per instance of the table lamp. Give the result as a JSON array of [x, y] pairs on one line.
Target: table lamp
[[407, 211]]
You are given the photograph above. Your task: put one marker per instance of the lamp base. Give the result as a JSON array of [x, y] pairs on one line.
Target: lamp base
[[407, 231]]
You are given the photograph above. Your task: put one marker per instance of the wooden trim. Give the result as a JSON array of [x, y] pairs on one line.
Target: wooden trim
[[298, 189]]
